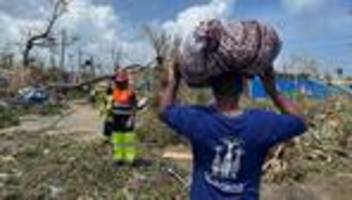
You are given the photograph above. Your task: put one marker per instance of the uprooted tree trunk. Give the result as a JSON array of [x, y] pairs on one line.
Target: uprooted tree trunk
[[79, 85], [92, 81], [43, 37]]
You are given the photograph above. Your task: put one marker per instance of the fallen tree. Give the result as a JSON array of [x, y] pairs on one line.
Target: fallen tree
[[67, 86]]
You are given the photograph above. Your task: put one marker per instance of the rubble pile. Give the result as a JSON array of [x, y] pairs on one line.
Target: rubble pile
[[326, 147]]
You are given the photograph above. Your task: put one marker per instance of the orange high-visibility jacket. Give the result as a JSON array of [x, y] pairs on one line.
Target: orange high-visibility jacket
[[125, 97], [123, 101]]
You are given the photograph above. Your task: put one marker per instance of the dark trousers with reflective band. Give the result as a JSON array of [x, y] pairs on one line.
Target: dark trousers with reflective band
[[124, 139]]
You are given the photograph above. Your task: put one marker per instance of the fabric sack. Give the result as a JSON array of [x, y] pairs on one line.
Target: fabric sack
[[244, 47]]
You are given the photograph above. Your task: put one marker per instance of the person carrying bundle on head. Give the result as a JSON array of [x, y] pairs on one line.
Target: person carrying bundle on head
[[229, 144]]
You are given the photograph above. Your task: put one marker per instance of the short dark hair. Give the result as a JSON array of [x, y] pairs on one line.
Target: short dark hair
[[227, 85]]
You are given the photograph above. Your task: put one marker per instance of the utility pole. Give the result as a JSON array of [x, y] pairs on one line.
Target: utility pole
[[79, 71], [52, 57], [92, 67], [72, 70], [63, 48], [66, 41]]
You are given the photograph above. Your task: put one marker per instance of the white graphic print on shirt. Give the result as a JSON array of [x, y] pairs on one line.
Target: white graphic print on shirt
[[226, 165]]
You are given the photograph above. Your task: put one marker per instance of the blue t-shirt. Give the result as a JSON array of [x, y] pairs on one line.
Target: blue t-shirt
[[229, 151]]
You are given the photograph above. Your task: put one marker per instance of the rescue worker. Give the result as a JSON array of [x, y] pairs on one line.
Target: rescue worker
[[106, 110], [123, 112]]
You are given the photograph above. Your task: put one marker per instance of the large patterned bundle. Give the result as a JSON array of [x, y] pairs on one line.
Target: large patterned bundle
[[247, 48]]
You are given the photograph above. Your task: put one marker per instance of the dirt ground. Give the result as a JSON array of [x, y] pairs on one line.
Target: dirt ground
[[65, 157], [80, 118]]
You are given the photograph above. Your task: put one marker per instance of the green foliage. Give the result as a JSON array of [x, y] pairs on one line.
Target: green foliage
[[75, 94], [8, 117]]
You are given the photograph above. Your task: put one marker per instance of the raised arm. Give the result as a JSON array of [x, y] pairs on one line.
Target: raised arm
[[169, 88], [284, 104]]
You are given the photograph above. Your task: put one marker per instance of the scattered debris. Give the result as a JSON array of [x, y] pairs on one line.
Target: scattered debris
[[69, 165], [32, 95], [324, 148], [179, 178]]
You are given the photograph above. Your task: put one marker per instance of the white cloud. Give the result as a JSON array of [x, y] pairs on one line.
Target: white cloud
[[24, 9], [302, 6], [190, 17], [97, 26]]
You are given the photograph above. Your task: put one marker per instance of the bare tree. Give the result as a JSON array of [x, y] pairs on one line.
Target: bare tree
[[44, 36], [164, 44], [306, 66], [166, 50], [66, 41], [158, 40], [116, 55]]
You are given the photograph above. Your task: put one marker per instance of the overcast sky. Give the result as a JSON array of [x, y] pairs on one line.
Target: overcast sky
[[319, 29]]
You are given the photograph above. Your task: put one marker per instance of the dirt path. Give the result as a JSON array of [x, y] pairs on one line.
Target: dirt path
[[84, 121], [80, 119]]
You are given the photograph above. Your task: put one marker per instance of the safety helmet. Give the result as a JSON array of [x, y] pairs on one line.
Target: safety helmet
[[121, 77]]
